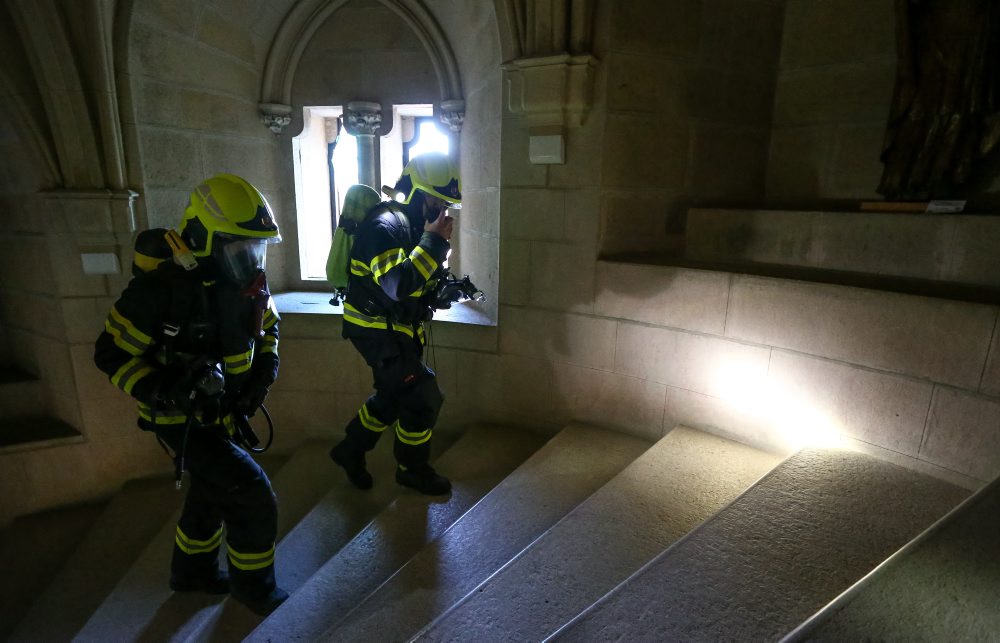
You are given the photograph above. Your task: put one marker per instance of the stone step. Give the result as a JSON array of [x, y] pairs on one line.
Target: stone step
[[104, 554], [20, 395], [20, 433], [944, 586], [817, 523], [569, 468], [32, 551], [475, 464], [677, 484], [141, 605]]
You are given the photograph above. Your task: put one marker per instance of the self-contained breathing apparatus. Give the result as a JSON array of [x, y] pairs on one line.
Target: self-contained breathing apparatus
[[201, 394], [199, 388]]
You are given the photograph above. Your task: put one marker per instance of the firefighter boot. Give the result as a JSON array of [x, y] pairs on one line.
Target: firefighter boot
[[424, 479], [353, 462]]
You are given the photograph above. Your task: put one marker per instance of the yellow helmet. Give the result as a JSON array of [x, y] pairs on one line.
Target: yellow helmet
[[432, 173], [226, 207]]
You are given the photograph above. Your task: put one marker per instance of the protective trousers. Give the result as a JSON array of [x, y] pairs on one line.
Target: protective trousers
[[226, 487], [406, 398]]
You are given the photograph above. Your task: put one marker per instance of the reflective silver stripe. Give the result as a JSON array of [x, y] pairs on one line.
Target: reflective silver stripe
[[251, 561], [191, 546], [268, 344], [423, 261], [236, 364], [271, 315], [126, 335], [369, 421], [167, 416], [386, 262], [354, 316], [359, 268], [130, 373], [410, 437]]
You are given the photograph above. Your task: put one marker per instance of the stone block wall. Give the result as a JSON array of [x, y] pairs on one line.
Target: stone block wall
[[194, 79], [768, 361], [689, 88], [834, 88]]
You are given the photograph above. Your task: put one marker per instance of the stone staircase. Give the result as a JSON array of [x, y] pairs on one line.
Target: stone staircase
[[24, 422], [588, 535]]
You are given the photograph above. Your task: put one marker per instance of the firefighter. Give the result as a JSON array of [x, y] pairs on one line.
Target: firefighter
[[396, 260], [194, 339]]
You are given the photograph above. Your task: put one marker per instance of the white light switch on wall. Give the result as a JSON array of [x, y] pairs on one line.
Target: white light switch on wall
[[546, 150], [100, 263]]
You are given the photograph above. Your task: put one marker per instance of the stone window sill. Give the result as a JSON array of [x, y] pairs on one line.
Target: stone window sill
[[318, 303]]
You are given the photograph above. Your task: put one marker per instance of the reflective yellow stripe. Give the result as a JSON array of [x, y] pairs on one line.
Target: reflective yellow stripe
[[229, 422], [253, 561], [167, 417], [191, 546], [146, 263], [271, 315], [423, 261], [130, 373], [268, 344], [360, 268], [411, 438], [354, 316], [369, 421], [127, 337], [236, 364], [386, 262]]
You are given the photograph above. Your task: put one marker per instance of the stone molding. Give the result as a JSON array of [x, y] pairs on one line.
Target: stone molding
[[76, 85], [362, 118], [276, 117], [453, 115], [301, 23], [551, 90]]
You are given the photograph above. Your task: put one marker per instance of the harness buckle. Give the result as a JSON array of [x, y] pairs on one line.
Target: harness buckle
[[171, 330]]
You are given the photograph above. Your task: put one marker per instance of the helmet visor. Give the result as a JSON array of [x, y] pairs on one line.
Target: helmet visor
[[241, 259]]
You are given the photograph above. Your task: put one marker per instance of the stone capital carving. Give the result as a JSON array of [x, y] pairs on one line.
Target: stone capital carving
[[362, 118], [275, 116], [551, 90], [453, 114]]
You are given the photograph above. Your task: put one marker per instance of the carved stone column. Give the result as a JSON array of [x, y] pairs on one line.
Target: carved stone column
[[363, 119]]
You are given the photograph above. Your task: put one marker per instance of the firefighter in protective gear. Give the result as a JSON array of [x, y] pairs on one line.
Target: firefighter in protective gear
[[194, 339], [395, 262]]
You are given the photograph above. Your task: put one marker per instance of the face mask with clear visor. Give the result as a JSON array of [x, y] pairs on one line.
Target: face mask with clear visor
[[240, 258]]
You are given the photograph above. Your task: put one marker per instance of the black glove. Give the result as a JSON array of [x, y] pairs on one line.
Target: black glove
[[251, 396]]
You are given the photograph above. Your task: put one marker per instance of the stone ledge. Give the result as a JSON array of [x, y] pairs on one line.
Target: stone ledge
[[940, 255], [889, 283], [318, 303]]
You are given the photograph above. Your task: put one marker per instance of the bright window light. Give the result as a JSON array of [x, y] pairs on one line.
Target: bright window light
[[345, 165], [429, 139]]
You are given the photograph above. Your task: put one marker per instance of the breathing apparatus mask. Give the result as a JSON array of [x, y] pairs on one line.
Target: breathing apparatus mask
[[241, 259]]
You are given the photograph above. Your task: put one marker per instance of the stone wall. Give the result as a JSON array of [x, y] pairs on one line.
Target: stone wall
[[689, 90], [834, 89], [194, 73]]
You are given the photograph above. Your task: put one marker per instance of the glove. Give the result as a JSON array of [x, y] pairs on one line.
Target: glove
[[251, 396]]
